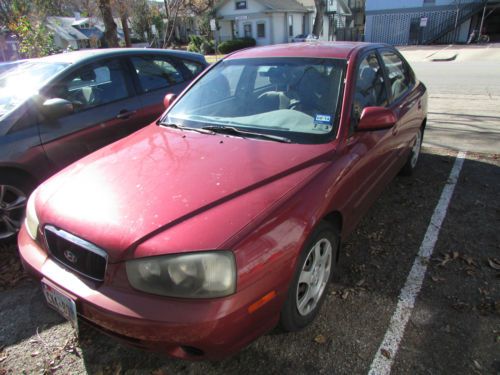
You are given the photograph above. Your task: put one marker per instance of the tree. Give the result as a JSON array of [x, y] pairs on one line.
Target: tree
[[172, 8], [123, 11], [318, 20], [24, 18], [34, 39], [110, 35]]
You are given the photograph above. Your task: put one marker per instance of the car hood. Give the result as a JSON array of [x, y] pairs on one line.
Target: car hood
[[159, 177]]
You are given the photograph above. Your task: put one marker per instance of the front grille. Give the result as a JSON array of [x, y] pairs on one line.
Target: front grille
[[76, 253]]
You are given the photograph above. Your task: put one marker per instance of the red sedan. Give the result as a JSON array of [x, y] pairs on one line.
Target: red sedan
[[201, 232]]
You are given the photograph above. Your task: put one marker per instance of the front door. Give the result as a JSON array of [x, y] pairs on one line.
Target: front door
[[104, 111], [372, 150]]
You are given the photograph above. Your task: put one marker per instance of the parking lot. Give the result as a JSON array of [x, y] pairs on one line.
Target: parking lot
[[454, 327]]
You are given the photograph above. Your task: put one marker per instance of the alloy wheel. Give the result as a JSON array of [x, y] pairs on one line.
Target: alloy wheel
[[314, 276], [12, 207], [415, 151]]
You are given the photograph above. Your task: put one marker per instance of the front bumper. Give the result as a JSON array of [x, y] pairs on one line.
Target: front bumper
[[191, 329]]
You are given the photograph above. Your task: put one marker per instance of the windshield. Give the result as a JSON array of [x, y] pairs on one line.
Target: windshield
[[295, 98], [23, 81]]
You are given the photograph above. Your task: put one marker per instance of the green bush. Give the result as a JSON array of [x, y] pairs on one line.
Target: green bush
[[236, 44], [200, 44]]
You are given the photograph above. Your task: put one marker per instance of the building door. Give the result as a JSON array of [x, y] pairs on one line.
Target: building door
[[247, 30]]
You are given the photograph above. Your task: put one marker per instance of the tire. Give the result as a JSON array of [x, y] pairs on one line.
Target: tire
[[412, 161], [14, 193], [307, 289]]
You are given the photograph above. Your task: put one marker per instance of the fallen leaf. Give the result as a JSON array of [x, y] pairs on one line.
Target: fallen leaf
[[494, 263], [455, 254], [437, 279], [345, 294], [385, 353], [477, 365], [3, 358], [360, 282], [320, 339], [34, 354]]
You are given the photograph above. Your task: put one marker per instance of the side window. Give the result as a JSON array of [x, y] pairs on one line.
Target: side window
[[370, 86], [397, 73], [156, 73], [194, 67], [93, 85]]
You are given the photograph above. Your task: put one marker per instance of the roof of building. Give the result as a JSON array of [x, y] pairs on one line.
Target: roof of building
[[284, 5], [63, 26], [277, 5], [334, 50]]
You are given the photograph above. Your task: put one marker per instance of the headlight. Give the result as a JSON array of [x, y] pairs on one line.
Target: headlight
[[195, 275], [31, 220]]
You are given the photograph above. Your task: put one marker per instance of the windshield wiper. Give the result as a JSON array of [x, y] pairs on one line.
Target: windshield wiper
[[176, 126], [235, 131]]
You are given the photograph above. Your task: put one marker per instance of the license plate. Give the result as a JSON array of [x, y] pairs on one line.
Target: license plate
[[61, 303]]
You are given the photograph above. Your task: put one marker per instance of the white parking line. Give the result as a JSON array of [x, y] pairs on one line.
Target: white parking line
[[384, 358]]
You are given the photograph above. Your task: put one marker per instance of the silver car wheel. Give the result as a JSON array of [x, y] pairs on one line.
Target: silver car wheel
[[12, 207], [314, 276], [415, 151]]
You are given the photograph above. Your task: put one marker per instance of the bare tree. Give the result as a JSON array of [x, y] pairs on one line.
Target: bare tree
[[123, 11], [110, 35], [318, 20], [172, 8]]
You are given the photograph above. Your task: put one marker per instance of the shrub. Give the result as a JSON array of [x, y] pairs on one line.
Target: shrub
[[236, 44], [200, 44]]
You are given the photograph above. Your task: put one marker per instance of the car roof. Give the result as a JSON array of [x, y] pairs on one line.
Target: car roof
[[91, 54], [334, 50]]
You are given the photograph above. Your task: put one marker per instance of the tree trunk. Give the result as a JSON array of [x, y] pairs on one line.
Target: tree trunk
[[110, 35], [126, 30], [318, 20]]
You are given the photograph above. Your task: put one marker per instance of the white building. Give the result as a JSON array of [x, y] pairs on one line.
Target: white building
[[267, 21], [278, 21]]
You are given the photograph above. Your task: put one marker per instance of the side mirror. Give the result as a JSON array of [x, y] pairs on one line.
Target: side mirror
[[169, 99], [376, 118], [57, 107]]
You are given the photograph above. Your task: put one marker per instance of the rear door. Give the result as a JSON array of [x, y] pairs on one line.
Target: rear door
[[105, 108], [405, 102], [157, 75]]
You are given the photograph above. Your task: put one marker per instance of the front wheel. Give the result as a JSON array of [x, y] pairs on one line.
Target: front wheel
[[411, 163], [14, 194], [314, 270]]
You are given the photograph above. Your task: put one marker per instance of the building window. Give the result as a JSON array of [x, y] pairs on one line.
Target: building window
[[290, 26], [429, 2], [242, 4], [261, 30]]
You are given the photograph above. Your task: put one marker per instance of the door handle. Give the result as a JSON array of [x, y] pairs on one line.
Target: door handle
[[125, 114]]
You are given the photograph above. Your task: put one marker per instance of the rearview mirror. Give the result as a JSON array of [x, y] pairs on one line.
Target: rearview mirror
[[376, 118], [169, 99], [57, 107]]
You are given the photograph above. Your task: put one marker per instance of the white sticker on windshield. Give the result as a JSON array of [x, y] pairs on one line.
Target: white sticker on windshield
[[323, 122]]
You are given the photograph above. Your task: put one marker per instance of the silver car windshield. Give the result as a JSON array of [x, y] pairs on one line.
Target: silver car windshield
[[25, 80], [293, 97]]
